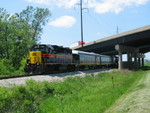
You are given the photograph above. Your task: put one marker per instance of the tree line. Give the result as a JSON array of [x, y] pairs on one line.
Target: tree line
[[18, 32]]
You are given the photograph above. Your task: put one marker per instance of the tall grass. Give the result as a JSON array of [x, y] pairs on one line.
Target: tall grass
[[91, 94]]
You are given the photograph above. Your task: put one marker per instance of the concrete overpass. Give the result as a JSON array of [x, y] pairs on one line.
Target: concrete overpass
[[134, 43]]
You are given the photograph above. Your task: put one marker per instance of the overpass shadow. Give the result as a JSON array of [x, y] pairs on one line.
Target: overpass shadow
[[146, 68]]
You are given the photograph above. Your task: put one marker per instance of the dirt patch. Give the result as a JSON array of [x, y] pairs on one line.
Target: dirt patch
[[136, 101]]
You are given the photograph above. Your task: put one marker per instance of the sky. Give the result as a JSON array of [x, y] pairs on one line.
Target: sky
[[100, 18]]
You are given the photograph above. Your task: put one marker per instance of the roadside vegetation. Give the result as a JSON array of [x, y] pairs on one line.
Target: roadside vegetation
[[18, 33], [147, 64], [7, 69], [136, 100], [91, 94]]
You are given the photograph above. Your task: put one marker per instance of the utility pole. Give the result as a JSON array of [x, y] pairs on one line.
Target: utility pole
[[81, 22], [117, 30]]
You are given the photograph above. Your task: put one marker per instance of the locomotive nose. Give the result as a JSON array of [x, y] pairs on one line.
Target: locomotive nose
[[35, 57]]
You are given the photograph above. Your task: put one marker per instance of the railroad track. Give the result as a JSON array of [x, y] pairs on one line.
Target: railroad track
[[16, 76], [29, 75]]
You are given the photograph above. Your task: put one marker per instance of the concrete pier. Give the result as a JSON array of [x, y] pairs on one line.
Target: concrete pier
[[132, 53]]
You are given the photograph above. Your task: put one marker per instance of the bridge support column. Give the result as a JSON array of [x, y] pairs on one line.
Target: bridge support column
[[120, 60], [142, 62], [132, 52], [139, 61], [129, 57], [141, 57]]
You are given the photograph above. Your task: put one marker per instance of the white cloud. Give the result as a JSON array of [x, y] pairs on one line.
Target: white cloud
[[59, 3], [98, 33], [115, 6], [99, 6], [67, 3], [44, 2], [64, 21]]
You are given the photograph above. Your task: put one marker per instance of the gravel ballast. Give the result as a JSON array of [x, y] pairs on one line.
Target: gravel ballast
[[51, 77]]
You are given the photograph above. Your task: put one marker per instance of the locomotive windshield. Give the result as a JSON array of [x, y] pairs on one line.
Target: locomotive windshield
[[42, 48]]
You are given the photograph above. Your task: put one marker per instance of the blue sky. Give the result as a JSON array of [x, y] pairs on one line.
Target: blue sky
[[100, 18]]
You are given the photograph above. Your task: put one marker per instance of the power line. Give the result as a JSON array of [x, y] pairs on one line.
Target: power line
[[106, 22], [99, 25], [95, 23]]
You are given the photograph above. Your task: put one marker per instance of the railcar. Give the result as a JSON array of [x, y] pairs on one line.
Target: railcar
[[50, 58], [93, 60], [87, 59]]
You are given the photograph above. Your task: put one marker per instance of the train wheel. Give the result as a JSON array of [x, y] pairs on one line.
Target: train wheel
[[38, 70], [76, 67]]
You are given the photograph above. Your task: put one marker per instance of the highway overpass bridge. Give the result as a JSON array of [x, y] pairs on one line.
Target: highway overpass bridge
[[134, 43]]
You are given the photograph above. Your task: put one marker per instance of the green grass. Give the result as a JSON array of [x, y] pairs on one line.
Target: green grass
[[91, 94], [147, 64]]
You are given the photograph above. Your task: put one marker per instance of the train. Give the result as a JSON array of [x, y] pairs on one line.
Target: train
[[45, 58]]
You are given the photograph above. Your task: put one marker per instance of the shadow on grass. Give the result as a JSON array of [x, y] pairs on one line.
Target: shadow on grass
[[146, 68]]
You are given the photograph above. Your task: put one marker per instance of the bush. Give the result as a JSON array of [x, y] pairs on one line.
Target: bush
[[20, 71], [7, 69], [24, 99]]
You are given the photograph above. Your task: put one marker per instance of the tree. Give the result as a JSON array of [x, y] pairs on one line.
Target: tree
[[3, 33], [36, 17], [18, 32]]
